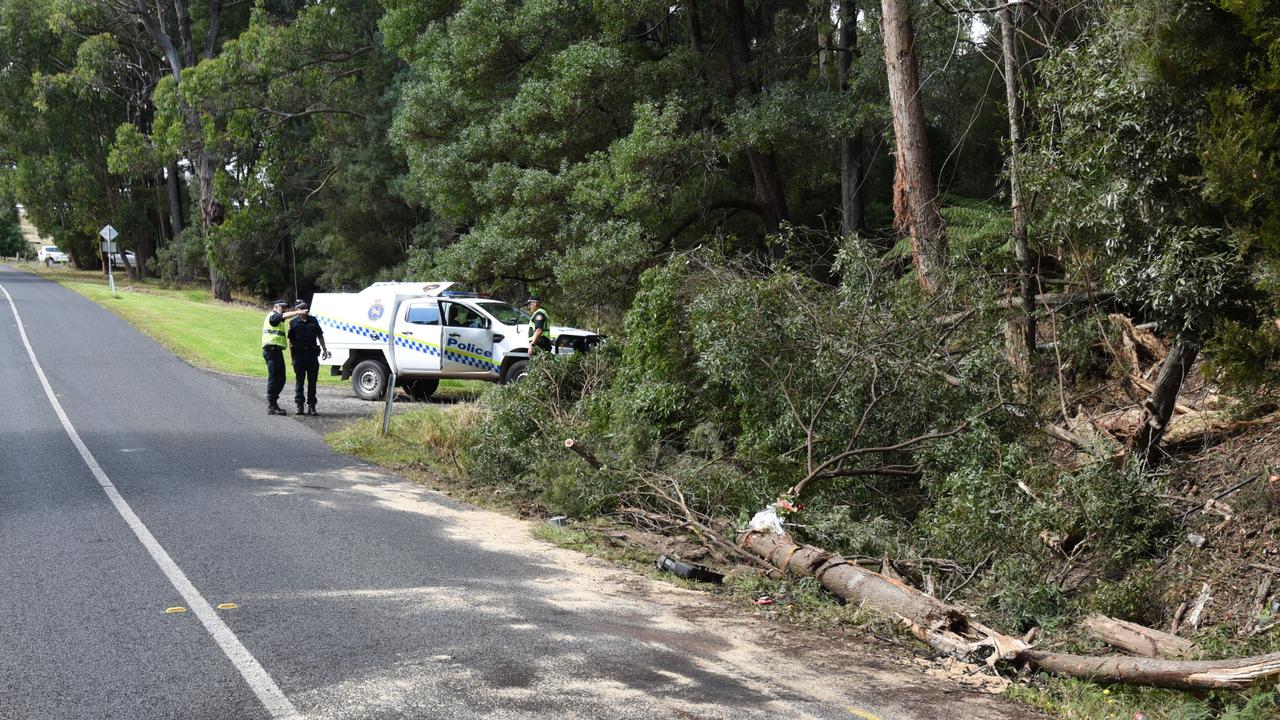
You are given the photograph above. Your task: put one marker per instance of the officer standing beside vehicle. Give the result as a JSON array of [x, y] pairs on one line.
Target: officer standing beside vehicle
[[306, 344], [274, 340], [540, 335]]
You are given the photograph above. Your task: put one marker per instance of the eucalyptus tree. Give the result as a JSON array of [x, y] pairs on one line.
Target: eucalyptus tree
[[298, 106], [66, 84], [185, 33]]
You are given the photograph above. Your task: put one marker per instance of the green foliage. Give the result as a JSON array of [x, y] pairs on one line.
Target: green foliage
[[1160, 156], [12, 244]]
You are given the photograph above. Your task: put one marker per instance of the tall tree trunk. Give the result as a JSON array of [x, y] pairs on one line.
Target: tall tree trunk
[[174, 186], [1026, 269], [211, 215], [764, 167], [852, 213], [915, 174], [1159, 406]]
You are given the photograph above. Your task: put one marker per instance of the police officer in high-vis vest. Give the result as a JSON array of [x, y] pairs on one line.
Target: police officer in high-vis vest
[[274, 341], [540, 333]]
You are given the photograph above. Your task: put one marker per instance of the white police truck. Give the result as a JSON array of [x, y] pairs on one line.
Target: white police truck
[[425, 332]]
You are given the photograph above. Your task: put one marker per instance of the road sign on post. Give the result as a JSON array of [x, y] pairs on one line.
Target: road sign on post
[[109, 236]]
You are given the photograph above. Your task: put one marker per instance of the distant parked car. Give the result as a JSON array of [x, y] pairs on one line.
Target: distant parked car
[[115, 259], [50, 254]]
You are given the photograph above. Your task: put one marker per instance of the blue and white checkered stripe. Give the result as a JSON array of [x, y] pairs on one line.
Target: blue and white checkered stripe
[[472, 360], [376, 335]]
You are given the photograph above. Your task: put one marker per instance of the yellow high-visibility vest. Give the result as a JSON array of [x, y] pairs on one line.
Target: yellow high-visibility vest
[[546, 325], [273, 335]]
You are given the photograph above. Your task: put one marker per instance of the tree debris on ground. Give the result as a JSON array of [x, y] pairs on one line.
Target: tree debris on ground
[[953, 630]]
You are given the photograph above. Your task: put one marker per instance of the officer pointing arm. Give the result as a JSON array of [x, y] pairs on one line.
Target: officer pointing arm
[[274, 334]]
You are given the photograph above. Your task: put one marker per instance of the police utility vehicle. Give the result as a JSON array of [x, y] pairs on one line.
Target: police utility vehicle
[[426, 332]]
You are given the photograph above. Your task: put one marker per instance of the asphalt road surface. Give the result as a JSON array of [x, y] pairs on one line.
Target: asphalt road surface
[[168, 550]]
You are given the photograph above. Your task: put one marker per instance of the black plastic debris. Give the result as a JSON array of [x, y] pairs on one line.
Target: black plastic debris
[[689, 571]]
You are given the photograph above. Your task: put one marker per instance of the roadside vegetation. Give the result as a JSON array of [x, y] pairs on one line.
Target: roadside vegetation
[[981, 296]]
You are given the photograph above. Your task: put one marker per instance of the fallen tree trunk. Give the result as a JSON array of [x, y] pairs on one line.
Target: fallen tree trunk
[[953, 630], [1195, 427], [1136, 639], [1233, 674]]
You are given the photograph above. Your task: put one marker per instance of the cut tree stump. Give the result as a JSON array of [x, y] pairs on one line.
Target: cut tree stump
[[1136, 639]]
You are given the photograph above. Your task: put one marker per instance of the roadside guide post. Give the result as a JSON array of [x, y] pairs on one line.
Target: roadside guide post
[[109, 235], [391, 358]]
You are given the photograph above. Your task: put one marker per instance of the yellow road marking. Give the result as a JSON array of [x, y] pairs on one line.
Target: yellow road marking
[[228, 606], [862, 714], [177, 609]]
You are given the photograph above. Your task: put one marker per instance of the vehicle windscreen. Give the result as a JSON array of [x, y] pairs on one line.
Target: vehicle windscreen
[[504, 313]]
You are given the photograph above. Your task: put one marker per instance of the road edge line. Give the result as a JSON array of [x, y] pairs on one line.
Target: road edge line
[[263, 686]]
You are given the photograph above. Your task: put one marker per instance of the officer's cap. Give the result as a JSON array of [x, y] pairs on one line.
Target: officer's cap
[[301, 305], [533, 298], [279, 302]]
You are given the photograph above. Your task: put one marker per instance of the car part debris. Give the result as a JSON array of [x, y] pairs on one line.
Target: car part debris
[[689, 571]]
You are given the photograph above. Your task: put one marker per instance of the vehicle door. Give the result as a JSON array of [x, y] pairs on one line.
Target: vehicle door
[[418, 337], [468, 340]]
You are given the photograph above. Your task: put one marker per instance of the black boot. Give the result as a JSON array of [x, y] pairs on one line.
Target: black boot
[[311, 410], [275, 409], [301, 411]]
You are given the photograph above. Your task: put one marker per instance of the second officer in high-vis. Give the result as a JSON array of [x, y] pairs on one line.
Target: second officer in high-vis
[[540, 332]]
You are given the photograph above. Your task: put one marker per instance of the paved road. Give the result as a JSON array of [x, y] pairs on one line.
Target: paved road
[[356, 594]]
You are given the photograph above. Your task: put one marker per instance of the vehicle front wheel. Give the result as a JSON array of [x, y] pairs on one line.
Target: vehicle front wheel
[[369, 379], [420, 390], [517, 371]]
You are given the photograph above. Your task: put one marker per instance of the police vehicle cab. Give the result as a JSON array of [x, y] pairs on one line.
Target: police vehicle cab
[[424, 332]]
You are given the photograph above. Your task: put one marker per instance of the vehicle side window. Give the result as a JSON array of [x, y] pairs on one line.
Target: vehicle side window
[[462, 316], [423, 315]]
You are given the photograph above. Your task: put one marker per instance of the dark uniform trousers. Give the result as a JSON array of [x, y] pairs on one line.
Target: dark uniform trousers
[[274, 355], [306, 368]]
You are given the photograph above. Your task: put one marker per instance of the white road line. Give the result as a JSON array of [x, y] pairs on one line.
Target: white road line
[[254, 674]]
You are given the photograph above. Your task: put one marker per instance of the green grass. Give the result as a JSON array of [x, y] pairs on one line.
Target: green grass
[[1070, 699], [430, 438]]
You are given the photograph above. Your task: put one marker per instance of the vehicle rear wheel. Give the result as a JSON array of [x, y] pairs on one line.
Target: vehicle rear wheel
[[369, 379], [518, 370], [420, 390]]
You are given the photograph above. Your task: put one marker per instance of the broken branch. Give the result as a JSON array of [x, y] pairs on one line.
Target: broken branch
[[581, 449]]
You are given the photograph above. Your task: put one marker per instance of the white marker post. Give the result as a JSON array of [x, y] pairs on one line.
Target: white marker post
[[109, 236], [395, 367]]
